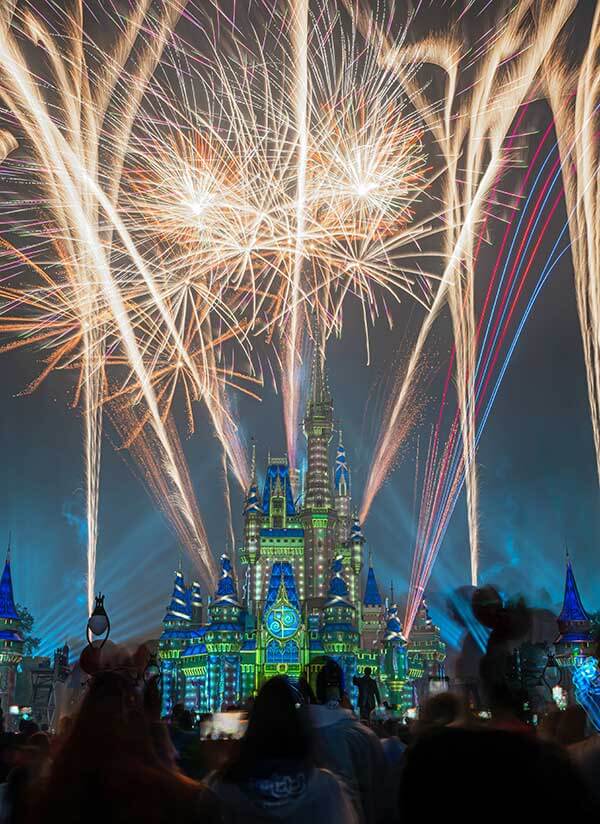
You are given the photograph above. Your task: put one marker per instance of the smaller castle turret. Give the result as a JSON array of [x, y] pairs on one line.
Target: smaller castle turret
[[373, 612], [574, 624], [178, 612], [341, 483], [394, 672], [252, 517], [11, 638]]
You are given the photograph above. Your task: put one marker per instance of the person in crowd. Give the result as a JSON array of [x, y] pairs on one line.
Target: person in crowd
[[186, 741], [473, 775], [346, 746], [274, 776], [501, 686], [440, 710], [107, 769], [31, 762], [368, 693]]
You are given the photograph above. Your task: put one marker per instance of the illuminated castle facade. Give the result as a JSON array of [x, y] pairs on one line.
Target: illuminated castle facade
[[307, 592]]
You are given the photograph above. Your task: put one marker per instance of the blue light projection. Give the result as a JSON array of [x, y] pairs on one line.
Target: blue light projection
[[586, 679]]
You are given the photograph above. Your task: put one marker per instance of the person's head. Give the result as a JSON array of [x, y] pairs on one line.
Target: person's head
[[176, 712], [186, 720], [330, 682], [497, 767], [277, 732], [439, 711], [110, 726], [368, 671], [27, 728]]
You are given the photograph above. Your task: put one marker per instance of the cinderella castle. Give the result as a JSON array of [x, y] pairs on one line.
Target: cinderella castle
[[308, 591]]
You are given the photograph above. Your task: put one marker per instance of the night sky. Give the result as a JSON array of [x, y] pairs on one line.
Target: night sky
[[538, 483]]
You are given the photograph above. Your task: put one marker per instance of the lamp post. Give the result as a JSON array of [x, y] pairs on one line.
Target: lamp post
[[98, 624]]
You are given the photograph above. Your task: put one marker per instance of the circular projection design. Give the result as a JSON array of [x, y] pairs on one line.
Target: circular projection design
[[282, 621]]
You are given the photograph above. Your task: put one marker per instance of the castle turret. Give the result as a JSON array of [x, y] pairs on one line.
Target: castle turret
[[250, 554], [318, 428], [196, 605], [179, 611], [356, 540], [223, 639], [225, 606], [394, 672], [372, 611], [426, 652], [340, 634], [318, 515], [574, 624], [11, 639], [341, 484]]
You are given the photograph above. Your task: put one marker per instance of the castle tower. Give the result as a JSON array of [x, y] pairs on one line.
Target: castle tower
[[341, 484], [173, 641], [372, 611], [394, 671], [178, 612], [426, 652], [340, 634], [355, 543], [223, 639], [251, 550], [574, 624], [318, 515], [11, 639]]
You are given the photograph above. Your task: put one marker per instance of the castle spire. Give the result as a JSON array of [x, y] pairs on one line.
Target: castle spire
[[338, 589], [372, 596], [179, 609], [319, 388], [342, 472], [573, 615], [226, 593], [393, 627], [253, 463], [252, 504], [8, 610]]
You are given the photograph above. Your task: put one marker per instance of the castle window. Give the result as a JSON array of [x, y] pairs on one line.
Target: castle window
[[286, 654]]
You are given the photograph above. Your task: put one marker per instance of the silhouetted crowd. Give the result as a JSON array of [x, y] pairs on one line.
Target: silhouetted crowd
[[304, 756]]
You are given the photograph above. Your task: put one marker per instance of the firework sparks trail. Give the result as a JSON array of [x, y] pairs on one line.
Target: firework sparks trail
[[444, 476], [478, 132], [294, 343], [290, 202], [339, 195], [575, 102], [76, 203]]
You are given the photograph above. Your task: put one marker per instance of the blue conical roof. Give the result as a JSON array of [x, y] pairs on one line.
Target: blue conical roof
[[179, 608], [341, 475], [372, 597], [252, 502], [573, 621], [356, 533], [338, 589], [278, 477], [226, 592], [8, 611], [393, 627]]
